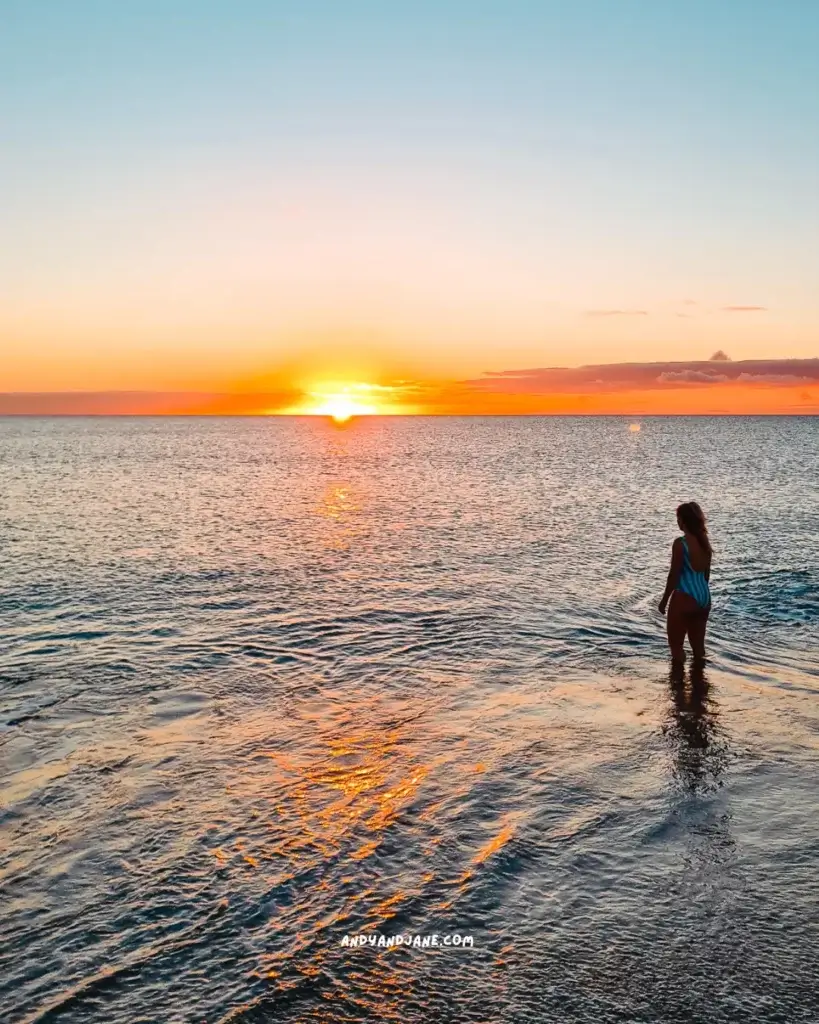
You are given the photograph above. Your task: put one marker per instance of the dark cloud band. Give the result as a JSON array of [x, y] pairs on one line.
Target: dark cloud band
[[642, 376]]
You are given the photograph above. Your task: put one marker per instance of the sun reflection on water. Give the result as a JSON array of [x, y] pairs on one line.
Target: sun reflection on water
[[327, 814], [340, 509]]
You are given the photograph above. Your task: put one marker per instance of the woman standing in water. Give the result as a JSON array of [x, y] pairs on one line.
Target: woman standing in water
[[687, 584]]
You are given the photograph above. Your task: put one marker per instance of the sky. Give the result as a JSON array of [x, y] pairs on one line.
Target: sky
[[257, 204]]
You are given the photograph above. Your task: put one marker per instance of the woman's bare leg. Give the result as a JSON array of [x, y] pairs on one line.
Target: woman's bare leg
[[676, 625], [696, 633]]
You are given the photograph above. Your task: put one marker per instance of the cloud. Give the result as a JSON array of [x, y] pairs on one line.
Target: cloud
[[617, 312], [140, 403], [744, 309], [774, 378], [613, 377], [692, 377], [657, 386], [720, 357]]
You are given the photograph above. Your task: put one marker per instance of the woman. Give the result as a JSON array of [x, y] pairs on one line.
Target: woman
[[687, 584]]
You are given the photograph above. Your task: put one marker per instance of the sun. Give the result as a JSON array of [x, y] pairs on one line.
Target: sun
[[339, 402], [342, 407], [344, 401]]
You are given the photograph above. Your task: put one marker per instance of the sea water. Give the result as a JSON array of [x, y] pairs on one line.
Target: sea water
[[267, 685]]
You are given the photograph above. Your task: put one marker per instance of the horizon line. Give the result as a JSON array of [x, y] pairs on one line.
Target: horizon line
[[394, 416]]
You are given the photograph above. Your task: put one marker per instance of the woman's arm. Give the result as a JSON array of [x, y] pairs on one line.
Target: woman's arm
[[673, 573]]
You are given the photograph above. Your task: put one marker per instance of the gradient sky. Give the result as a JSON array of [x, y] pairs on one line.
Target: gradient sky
[[210, 196]]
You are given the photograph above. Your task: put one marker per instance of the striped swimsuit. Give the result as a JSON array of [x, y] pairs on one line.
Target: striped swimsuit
[[691, 582]]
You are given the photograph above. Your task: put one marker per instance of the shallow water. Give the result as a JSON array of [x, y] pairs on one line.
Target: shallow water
[[266, 683]]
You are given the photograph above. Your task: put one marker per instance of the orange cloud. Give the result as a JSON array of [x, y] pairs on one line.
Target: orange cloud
[[642, 376], [617, 312], [747, 386], [139, 403], [706, 387], [691, 377]]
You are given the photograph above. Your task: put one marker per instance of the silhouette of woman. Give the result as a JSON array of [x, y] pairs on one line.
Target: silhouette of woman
[[687, 585]]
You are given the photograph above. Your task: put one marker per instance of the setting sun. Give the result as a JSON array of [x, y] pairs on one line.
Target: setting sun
[[343, 402], [342, 408]]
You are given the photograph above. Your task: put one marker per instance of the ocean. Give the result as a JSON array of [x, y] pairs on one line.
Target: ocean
[[269, 685]]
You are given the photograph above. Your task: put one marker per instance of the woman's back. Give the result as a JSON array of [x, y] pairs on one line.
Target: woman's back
[[699, 558], [692, 580]]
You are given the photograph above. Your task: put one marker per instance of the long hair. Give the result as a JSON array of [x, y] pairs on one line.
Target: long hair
[[692, 518]]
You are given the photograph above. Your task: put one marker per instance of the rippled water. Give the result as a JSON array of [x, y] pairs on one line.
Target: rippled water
[[265, 683]]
